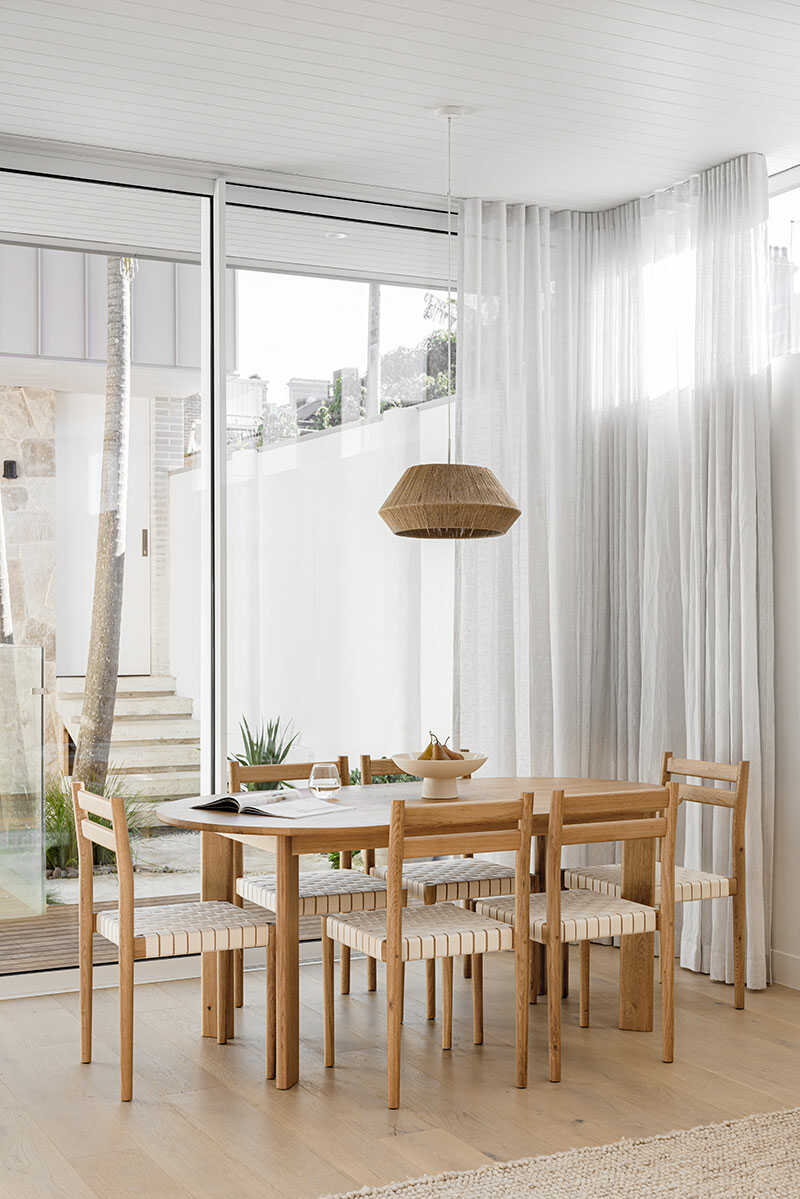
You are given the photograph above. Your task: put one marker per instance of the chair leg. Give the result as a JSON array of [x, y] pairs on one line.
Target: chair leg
[[469, 905], [327, 986], [739, 943], [447, 1003], [271, 1003], [344, 970], [430, 988], [477, 998], [585, 975], [394, 1000], [372, 965], [86, 967], [555, 962], [345, 863], [522, 998], [222, 996], [667, 970], [402, 992], [238, 954], [535, 971], [126, 1026], [238, 978]]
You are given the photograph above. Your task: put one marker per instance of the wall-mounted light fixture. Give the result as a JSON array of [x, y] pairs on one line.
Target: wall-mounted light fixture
[[9, 469]]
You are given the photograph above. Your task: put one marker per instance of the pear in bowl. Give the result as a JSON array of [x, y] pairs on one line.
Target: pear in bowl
[[440, 776]]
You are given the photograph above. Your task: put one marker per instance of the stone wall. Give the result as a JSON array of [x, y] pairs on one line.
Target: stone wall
[[27, 435]]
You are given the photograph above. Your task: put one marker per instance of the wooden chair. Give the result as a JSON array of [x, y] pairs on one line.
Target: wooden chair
[[462, 878], [321, 891], [440, 930], [694, 885], [560, 916], [159, 931]]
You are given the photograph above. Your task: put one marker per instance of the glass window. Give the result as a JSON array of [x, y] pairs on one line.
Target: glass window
[[96, 526], [340, 634]]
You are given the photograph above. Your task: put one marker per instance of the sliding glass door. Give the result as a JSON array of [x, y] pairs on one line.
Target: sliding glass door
[[102, 417], [339, 634], [192, 536]]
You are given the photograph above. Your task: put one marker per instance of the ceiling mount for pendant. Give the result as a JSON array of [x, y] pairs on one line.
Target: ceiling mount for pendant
[[449, 500]]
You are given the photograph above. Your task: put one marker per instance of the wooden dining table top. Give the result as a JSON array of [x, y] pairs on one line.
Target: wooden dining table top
[[362, 813]]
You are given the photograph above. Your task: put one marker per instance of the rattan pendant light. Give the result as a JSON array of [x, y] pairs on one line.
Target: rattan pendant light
[[449, 500]]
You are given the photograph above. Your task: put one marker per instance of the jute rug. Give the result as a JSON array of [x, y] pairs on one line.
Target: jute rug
[[741, 1159]]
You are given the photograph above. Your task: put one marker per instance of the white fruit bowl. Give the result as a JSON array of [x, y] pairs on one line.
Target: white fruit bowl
[[439, 778]]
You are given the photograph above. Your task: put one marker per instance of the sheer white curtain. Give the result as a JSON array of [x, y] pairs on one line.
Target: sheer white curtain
[[614, 372]]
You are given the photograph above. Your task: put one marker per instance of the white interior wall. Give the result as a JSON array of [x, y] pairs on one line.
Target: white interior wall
[[786, 508], [334, 623]]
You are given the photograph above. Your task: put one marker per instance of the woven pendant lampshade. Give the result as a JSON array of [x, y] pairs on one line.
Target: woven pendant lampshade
[[449, 500]]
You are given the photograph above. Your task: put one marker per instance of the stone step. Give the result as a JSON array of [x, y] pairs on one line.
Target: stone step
[[158, 787], [140, 706], [72, 685], [135, 757], [169, 729]]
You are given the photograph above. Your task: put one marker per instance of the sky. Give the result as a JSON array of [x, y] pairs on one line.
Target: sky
[[303, 326]]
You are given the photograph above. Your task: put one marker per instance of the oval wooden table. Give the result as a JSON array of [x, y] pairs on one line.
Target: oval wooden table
[[363, 823]]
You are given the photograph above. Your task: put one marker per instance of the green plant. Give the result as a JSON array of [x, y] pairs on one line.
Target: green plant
[[269, 744], [329, 413], [61, 845]]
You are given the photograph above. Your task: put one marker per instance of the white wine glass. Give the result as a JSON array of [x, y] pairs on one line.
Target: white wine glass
[[324, 780]]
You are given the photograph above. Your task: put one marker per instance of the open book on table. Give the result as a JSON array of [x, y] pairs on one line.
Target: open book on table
[[296, 806]]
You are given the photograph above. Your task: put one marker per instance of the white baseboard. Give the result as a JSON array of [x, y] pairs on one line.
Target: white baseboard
[[786, 969], [62, 982]]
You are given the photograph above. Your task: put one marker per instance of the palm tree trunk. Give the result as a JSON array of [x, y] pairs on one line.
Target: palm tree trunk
[[94, 738]]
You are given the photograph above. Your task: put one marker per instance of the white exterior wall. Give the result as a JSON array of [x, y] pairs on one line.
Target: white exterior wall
[[53, 305], [333, 622]]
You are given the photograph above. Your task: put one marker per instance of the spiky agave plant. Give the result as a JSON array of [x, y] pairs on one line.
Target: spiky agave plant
[[268, 744]]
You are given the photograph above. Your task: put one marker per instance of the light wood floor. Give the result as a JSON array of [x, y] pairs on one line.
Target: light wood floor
[[205, 1124]]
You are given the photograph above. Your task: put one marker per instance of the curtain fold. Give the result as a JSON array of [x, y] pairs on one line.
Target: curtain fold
[[613, 371]]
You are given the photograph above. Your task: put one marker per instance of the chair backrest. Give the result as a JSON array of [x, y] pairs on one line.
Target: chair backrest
[[734, 797], [283, 772], [116, 839], [620, 816], [421, 830], [370, 767]]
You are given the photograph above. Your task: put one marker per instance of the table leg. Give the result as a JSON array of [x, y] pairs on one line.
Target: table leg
[[636, 955], [216, 882], [287, 969]]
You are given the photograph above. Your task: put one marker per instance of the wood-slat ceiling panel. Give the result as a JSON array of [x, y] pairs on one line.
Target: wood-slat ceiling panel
[[580, 102]]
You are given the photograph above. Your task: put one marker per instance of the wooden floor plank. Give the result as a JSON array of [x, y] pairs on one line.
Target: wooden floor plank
[[205, 1123]]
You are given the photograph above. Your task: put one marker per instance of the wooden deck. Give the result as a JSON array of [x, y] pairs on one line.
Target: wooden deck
[[50, 942]]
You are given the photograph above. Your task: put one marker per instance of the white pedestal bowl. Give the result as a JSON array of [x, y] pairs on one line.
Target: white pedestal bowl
[[439, 778]]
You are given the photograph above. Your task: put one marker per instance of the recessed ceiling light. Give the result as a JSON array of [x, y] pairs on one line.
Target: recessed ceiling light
[[337, 236]]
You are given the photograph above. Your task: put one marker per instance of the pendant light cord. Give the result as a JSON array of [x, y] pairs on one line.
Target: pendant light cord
[[449, 289]]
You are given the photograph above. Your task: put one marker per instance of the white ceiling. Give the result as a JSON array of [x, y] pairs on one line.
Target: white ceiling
[[579, 103]]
